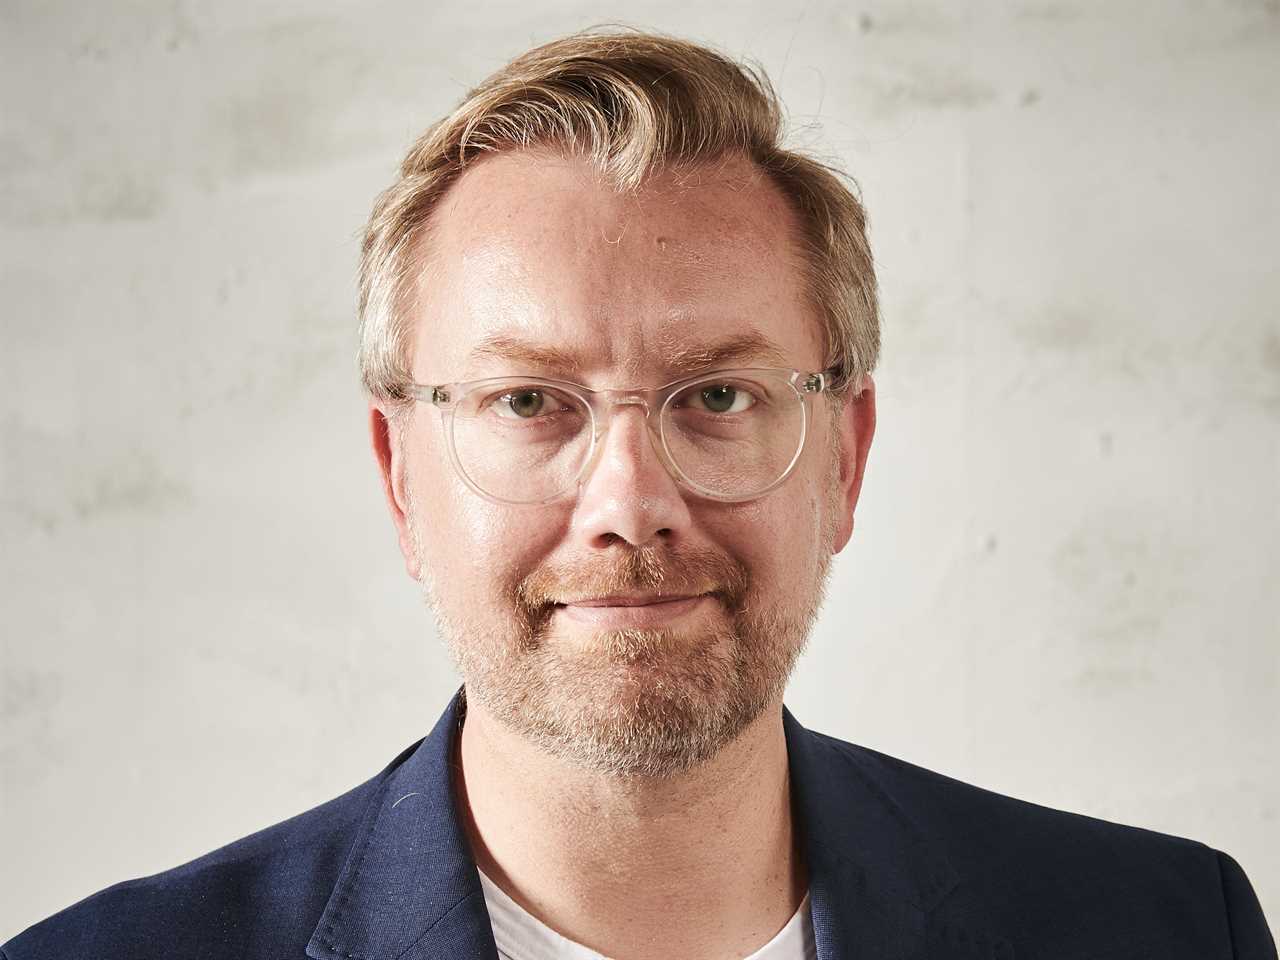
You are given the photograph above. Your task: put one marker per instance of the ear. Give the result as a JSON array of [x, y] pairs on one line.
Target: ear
[[857, 425], [390, 457]]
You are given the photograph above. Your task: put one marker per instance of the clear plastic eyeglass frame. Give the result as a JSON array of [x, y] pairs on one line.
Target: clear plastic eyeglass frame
[[601, 404]]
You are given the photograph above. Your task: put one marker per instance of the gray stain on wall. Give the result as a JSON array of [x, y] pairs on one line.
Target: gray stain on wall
[[28, 692], [925, 86], [1123, 579], [114, 493], [53, 479]]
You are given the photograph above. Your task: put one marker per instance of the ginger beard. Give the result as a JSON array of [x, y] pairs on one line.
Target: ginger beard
[[645, 703]]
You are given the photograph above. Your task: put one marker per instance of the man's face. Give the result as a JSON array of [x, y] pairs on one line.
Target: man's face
[[533, 248]]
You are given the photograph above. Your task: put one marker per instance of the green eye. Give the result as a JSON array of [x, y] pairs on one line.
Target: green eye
[[533, 402], [724, 398], [525, 404], [719, 399]]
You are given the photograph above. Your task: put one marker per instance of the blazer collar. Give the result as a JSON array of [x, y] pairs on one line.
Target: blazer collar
[[875, 876], [410, 889]]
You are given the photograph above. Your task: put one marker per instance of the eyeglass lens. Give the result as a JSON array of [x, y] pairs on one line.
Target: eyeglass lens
[[527, 441]]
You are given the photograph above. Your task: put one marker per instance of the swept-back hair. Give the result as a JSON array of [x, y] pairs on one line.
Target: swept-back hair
[[635, 104]]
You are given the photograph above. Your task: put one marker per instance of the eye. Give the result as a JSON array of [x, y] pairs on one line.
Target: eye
[[721, 398], [525, 404]]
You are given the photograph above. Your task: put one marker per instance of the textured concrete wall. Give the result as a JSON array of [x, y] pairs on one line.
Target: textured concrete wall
[[1063, 583]]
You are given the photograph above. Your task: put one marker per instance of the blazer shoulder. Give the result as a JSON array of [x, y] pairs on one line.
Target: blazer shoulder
[[946, 807], [258, 896], [1025, 865]]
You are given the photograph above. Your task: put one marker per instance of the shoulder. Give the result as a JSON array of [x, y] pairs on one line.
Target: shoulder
[[971, 817], [1025, 867], [259, 896]]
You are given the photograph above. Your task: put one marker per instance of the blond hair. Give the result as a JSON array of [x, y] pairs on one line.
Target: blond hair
[[635, 104]]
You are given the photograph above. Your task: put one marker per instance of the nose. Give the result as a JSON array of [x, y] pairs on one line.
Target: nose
[[626, 493]]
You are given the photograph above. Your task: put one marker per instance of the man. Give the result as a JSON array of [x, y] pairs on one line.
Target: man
[[617, 344]]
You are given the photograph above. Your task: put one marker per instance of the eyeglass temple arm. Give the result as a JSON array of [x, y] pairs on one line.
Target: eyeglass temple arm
[[818, 382]]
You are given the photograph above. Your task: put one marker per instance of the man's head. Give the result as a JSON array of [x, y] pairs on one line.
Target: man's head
[[603, 209]]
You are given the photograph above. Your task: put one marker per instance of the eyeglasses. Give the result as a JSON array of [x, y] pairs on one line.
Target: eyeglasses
[[729, 435]]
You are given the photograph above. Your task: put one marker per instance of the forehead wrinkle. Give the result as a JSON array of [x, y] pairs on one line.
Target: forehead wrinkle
[[511, 349], [680, 354], [675, 352], [660, 224]]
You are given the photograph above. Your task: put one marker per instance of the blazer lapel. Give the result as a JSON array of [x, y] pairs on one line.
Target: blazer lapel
[[410, 889], [875, 878]]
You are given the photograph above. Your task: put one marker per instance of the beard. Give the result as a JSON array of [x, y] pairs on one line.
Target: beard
[[630, 703]]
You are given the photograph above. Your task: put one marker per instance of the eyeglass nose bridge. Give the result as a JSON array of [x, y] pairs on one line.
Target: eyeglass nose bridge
[[623, 398], [604, 404]]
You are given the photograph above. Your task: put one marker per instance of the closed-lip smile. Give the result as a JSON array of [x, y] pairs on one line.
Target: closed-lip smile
[[633, 600], [621, 611]]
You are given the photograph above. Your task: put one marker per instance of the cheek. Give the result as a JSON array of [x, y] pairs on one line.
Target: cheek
[[818, 486], [453, 521], [767, 536], [784, 536], [475, 547]]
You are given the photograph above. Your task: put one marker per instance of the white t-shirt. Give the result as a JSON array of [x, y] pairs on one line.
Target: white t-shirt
[[521, 936]]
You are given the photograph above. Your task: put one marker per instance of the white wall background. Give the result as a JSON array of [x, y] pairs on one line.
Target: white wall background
[[1064, 580]]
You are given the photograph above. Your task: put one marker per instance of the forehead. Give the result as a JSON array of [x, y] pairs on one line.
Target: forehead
[[532, 258]]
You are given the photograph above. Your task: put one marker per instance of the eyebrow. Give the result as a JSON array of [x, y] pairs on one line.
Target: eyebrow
[[677, 356]]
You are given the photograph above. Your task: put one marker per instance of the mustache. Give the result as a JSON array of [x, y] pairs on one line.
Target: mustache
[[649, 569]]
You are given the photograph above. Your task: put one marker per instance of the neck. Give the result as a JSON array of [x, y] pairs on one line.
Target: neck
[[704, 864]]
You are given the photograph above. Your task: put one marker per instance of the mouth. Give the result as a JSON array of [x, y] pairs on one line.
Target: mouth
[[633, 610], [628, 600]]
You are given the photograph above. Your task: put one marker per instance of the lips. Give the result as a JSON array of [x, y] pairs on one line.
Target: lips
[[633, 611], [628, 601]]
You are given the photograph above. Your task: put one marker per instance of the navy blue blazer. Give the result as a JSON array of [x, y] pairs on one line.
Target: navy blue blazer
[[903, 863]]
